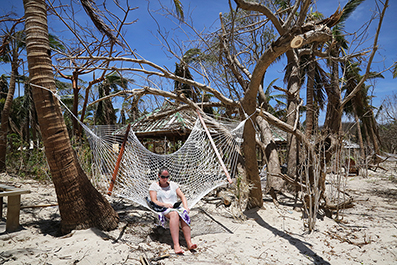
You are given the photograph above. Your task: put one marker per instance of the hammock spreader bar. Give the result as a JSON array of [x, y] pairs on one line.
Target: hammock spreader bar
[[215, 149], [116, 168]]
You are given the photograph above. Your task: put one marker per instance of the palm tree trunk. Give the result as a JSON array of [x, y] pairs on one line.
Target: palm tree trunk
[[309, 99], [333, 118], [273, 183], [6, 115], [372, 133], [375, 133], [80, 204], [251, 164], [293, 99], [360, 136]]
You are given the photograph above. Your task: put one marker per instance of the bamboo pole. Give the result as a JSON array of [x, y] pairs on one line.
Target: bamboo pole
[[116, 168], [215, 149]]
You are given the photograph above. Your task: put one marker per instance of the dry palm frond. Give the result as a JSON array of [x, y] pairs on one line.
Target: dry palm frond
[[333, 19], [93, 12]]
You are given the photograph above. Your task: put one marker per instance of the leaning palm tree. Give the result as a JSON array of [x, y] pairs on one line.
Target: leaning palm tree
[[3, 91], [29, 122], [333, 119], [80, 204], [334, 109], [22, 114], [11, 54], [359, 106], [13, 48]]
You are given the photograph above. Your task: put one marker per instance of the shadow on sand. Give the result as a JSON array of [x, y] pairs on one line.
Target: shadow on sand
[[302, 246]]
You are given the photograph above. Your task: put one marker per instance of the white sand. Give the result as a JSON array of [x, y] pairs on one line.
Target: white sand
[[273, 235]]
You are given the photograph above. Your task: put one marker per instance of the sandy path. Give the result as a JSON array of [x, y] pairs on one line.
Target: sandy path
[[367, 233]]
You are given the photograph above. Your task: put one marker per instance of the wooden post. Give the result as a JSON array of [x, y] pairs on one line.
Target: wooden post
[[116, 168], [1, 208], [215, 149], [13, 207]]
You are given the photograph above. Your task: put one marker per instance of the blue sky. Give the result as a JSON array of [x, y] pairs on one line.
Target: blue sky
[[205, 14]]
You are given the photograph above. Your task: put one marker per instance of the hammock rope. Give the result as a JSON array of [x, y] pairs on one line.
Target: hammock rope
[[195, 166], [122, 166]]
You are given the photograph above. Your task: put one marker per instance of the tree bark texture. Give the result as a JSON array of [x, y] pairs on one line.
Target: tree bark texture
[[309, 97], [271, 154], [251, 164], [294, 85], [80, 204], [280, 46]]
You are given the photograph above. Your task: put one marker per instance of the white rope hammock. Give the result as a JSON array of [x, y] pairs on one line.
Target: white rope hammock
[[206, 160], [196, 166]]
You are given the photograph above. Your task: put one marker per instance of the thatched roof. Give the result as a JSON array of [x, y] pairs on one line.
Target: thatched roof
[[176, 125]]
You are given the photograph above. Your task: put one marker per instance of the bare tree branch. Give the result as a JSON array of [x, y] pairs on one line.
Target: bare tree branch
[[161, 73], [233, 61], [284, 126], [283, 44], [252, 6]]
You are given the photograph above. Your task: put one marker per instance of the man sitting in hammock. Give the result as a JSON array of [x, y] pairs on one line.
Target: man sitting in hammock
[[164, 200]]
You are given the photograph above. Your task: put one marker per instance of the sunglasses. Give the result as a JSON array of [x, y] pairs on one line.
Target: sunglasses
[[164, 177]]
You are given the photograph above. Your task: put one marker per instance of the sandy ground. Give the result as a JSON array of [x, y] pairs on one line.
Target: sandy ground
[[366, 234]]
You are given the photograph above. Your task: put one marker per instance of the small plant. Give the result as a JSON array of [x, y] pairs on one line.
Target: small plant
[[24, 159]]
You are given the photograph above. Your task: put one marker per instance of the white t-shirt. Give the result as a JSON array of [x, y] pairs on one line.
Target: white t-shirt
[[165, 194]]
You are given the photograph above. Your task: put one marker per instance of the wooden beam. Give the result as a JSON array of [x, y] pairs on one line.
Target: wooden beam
[[116, 168], [11, 191], [215, 149]]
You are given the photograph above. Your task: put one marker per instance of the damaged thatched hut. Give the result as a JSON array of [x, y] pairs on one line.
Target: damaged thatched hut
[[164, 133]]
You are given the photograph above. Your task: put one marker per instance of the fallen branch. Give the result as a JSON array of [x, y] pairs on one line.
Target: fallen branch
[[341, 205], [333, 235], [160, 257], [289, 179], [39, 206], [375, 167], [144, 260]]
